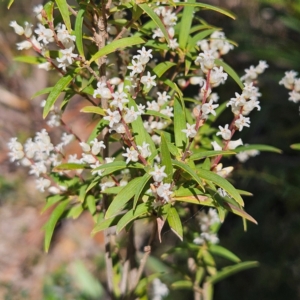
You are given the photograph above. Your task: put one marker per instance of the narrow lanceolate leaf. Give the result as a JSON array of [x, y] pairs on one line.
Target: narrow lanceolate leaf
[[162, 68], [182, 284], [132, 215], [123, 197], [200, 36], [258, 147], [221, 182], [61, 84], [175, 222], [238, 211], [30, 59], [42, 92], [93, 109], [113, 46], [230, 72], [207, 6], [140, 188], [156, 114], [186, 23], [68, 167], [166, 159], [179, 124], [48, 8], [204, 154], [63, 8], [149, 11], [104, 224], [111, 167], [78, 31], [223, 252], [228, 271], [295, 146], [50, 225], [184, 167], [10, 4]]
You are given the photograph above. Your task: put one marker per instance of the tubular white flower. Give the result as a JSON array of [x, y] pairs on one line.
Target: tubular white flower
[[45, 35], [145, 150], [97, 146], [42, 184], [233, 144], [17, 28], [68, 55], [119, 99], [190, 131], [224, 132], [158, 174], [241, 122], [216, 146], [25, 45], [28, 30], [209, 108], [113, 117], [130, 115], [164, 192], [132, 155], [148, 80]]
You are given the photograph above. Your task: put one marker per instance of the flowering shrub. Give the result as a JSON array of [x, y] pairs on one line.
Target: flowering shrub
[[135, 62]]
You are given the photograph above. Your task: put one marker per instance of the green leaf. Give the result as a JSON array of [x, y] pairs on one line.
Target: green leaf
[[61, 84], [93, 109], [223, 252], [230, 72], [295, 146], [104, 224], [74, 212], [51, 223], [175, 222], [221, 182], [156, 114], [179, 124], [42, 92], [211, 153], [111, 167], [182, 284], [173, 86], [91, 204], [131, 215], [188, 170], [10, 3], [185, 25], [162, 68], [207, 6], [258, 147], [30, 59], [69, 166], [228, 271], [63, 8], [149, 11], [238, 211], [78, 31], [51, 200], [123, 197], [48, 8], [166, 159], [113, 46], [200, 36], [140, 188]]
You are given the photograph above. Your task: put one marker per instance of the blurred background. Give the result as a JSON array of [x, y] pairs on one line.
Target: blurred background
[[264, 30]]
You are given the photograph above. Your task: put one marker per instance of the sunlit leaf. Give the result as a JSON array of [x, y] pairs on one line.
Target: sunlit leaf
[[166, 159], [63, 8], [78, 31], [175, 222], [93, 109], [162, 68], [258, 147]]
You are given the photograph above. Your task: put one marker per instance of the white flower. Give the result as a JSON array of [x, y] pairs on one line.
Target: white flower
[[113, 117], [168, 111], [119, 128], [17, 28], [159, 290], [141, 109], [158, 174], [137, 68], [38, 11], [68, 55], [144, 150], [130, 115], [238, 101], [67, 138], [106, 183], [217, 76], [102, 91], [209, 108], [25, 45], [88, 158], [241, 122], [206, 59], [132, 155], [152, 106], [148, 80], [223, 172], [85, 147], [224, 132], [28, 30], [164, 192], [119, 100], [162, 98], [190, 131], [14, 145], [156, 139], [44, 34], [144, 56], [233, 144], [38, 168], [42, 184], [294, 96], [96, 172], [45, 66], [216, 146], [262, 65], [173, 44], [97, 145], [16, 155]]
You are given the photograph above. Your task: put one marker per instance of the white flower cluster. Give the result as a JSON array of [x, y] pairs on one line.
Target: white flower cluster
[[291, 82], [169, 19], [206, 221], [159, 290], [253, 72], [44, 37], [245, 155]]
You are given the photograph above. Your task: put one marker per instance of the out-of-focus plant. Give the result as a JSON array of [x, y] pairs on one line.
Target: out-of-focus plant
[[155, 154]]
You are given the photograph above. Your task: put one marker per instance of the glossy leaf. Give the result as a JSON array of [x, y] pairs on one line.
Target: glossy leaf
[[295, 146], [209, 7], [68, 166], [230, 72], [111, 167], [52, 221], [131, 215], [144, 180], [113, 46], [210, 153], [162, 68], [185, 25], [61, 84], [258, 147], [93, 109], [184, 167], [221, 182], [166, 159], [30, 59], [104, 224], [223, 252], [123, 197], [238, 211], [228, 271], [78, 31], [179, 124], [42, 92], [149, 11], [175, 222], [63, 8]]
